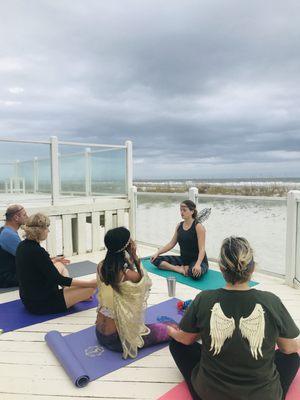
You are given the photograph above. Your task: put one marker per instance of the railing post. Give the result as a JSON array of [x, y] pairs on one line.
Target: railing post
[[88, 172], [291, 236], [129, 166], [193, 194], [54, 169], [132, 211], [16, 181], [35, 175]]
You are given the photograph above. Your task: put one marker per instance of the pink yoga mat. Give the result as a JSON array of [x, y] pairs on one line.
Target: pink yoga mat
[[181, 391]]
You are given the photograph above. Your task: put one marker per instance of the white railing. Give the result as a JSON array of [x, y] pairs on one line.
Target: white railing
[[293, 239], [52, 181], [78, 229]]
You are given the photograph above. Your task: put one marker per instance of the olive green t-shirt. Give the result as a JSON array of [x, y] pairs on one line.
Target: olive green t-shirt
[[239, 330]]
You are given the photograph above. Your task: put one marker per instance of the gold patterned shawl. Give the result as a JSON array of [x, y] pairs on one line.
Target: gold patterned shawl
[[129, 306]]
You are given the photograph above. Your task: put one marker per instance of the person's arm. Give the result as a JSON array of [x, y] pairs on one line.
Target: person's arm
[[91, 283], [288, 332], [288, 346], [182, 336], [200, 230], [43, 261], [167, 247], [10, 241], [61, 259], [133, 276]]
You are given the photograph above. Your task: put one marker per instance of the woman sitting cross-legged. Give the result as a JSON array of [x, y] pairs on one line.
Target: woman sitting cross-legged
[[239, 328], [39, 278], [123, 291], [190, 235]]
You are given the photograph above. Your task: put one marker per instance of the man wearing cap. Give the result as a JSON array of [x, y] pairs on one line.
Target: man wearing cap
[[9, 240]]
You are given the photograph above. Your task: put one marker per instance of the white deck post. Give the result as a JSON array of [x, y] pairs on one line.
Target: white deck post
[[129, 166], [35, 175], [132, 211], [193, 194], [16, 181], [88, 172], [54, 169], [293, 198]]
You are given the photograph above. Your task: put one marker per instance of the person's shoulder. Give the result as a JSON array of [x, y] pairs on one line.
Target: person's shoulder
[[265, 296], [207, 295], [199, 227], [7, 232]]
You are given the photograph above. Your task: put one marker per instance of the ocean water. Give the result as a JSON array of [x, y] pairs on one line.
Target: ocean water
[[261, 221]]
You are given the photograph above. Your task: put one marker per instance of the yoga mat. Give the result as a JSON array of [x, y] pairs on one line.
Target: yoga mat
[[181, 391], [9, 289], [75, 269], [81, 268], [178, 392], [211, 280], [85, 360], [13, 314]]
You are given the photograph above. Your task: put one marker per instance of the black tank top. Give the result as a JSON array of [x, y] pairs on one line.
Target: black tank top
[[188, 243]]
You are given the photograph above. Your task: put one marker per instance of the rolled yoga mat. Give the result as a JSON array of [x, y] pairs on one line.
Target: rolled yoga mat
[[211, 280], [85, 360]]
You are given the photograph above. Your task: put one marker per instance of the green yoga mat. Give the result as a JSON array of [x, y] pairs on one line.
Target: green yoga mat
[[211, 280]]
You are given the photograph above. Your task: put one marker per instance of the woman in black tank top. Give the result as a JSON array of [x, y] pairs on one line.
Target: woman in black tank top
[[190, 235]]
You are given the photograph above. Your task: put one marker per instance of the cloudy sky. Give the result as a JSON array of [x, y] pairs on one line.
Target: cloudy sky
[[203, 88]]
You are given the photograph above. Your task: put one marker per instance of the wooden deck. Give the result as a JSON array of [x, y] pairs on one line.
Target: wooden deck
[[29, 371]]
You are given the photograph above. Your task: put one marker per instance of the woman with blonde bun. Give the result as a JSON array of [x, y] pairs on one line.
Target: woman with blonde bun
[[239, 327], [39, 278]]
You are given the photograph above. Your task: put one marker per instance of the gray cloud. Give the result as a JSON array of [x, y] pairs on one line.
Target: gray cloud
[[203, 89]]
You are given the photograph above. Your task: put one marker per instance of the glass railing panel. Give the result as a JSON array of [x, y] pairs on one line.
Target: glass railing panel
[[157, 216], [23, 170], [108, 171], [72, 170], [262, 221]]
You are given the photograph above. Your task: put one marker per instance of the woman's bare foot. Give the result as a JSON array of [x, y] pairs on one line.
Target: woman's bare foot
[[184, 270]]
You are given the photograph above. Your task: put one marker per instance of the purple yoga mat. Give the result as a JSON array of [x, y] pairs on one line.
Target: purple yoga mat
[[13, 314], [85, 360]]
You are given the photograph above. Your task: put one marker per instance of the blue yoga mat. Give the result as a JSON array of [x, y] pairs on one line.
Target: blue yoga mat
[[85, 360], [13, 314], [211, 280]]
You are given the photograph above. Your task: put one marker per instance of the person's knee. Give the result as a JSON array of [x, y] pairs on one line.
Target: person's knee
[[91, 291], [174, 346], [157, 262]]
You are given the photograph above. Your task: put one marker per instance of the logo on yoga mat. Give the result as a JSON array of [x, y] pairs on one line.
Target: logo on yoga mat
[[94, 351]]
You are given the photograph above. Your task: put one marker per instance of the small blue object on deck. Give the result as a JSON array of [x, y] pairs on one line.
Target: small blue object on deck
[[211, 280], [85, 360]]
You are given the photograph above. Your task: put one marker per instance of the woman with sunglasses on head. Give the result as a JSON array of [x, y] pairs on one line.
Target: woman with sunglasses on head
[[239, 327], [40, 278], [190, 235], [123, 290]]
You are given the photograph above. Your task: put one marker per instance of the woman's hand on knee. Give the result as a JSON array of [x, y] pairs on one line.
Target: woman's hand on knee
[[154, 257]]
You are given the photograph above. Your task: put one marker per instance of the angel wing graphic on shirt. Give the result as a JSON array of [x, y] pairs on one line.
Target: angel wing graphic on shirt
[[221, 328], [252, 328]]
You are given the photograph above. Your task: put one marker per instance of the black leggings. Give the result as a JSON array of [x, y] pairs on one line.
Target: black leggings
[[187, 357]]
